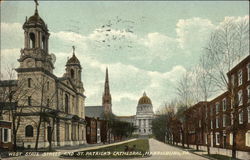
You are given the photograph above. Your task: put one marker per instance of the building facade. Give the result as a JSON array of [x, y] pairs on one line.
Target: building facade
[[144, 115], [213, 123], [48, 107]]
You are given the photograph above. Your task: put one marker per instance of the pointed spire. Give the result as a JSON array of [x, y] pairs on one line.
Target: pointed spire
[[107, 75], [36, 11], [144, 93], [106, 86]]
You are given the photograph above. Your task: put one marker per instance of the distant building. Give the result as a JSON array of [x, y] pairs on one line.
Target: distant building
[[144, 115], [106, 98], [97, 129]]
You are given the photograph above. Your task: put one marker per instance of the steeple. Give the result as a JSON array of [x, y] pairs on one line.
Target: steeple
[[106, 86], [106, 98]]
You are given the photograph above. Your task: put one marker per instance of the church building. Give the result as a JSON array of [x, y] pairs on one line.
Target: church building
[[48, 107]]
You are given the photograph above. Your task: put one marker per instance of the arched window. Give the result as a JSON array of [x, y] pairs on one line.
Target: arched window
[[48, 85], [66, 103], [29, 131], [32, 40], [79, 74], [43, 42], [72, 73], [29, 100], [29, 82]]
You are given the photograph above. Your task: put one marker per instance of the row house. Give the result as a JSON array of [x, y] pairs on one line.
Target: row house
[[212, 122], [194, 127], [96, 129]]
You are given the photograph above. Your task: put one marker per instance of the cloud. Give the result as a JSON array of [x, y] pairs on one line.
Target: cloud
[[191, 32], [9, 61], [11, 35]]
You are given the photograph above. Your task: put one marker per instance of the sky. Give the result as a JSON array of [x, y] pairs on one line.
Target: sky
[[147, 46]]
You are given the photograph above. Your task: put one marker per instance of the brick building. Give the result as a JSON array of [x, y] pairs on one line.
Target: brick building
[[213, 122]]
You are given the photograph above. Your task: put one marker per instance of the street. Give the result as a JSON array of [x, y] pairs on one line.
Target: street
[[159, 151]]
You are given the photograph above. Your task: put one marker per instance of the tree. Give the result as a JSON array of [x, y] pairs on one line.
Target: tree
[[204, 89], [11, 94], [228, 44], [45, 102], [162, 125]]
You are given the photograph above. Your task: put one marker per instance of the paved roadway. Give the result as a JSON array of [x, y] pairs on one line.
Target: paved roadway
[[162, 151], [159, 151]]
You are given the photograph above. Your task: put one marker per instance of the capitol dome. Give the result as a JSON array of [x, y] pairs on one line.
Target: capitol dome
[[144, 99]]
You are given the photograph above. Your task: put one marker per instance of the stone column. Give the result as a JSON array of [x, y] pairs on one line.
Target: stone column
[[26, 39]]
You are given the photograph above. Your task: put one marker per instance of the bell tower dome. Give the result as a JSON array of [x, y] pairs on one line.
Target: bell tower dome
[[35, 53], [74, 71]]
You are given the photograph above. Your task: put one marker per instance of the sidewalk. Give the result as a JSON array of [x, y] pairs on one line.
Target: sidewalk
[[91, 147], [221, 151]]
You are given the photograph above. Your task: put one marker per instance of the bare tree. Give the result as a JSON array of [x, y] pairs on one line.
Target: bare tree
[[228, 44], [12, 91], [204, 89], [44, 108]]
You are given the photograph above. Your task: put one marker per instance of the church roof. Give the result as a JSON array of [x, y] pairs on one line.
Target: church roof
[[73, 60], [35, 20], [94, 112], [144, 99]]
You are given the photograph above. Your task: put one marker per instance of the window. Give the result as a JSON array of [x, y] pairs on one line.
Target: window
[[72, 73], [199, 123], [32, 40], [248, 138], [211, 110], [248, 94], [217, 107], [217, 138], [224, 120], [206, 112], [224, 104], [29, 82], [248, 114], [29, 131], [232, 118], [211, 123], [232, 80], [48, 85], [6, 135], [240, 77], [48, 101], [43, 42], [29, 100], [217, 122], [248, 71], [241, 117], [66, 103], [240, 100], [231, 139]]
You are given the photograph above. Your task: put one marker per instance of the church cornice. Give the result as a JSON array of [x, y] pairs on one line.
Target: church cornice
[[37, 69]]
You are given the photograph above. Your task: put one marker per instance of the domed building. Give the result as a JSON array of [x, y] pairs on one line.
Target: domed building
[[144, 115]]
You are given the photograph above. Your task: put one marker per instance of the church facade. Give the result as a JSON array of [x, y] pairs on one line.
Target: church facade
[[48, 107]]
